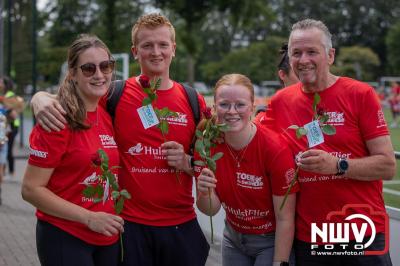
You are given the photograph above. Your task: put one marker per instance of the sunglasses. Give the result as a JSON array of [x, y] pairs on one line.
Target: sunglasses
[[89, 69]]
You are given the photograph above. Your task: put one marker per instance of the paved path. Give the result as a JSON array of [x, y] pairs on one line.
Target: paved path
[[17, 224]]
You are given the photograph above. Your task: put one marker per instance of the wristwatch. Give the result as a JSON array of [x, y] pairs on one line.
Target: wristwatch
[[342, 166]]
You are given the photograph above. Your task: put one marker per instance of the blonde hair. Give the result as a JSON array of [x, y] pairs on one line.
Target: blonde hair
[[152, 21], [235, 79], [67, 94]]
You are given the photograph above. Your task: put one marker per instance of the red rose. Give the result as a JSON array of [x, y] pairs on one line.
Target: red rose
[[207, 113], [96, 160], [144, 81], [320, 110]]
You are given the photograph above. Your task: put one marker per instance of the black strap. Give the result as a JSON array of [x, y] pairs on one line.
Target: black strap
[[117, 88], [194, 102]]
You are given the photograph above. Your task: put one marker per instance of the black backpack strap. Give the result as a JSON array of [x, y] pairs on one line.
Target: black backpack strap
[[114, 96], [194, 102]]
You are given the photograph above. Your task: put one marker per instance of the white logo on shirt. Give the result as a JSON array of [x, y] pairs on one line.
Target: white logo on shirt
[[336, 118], [135, 150], [41, 154], [107, 141], [148, 150], [289, 175], [90, 179], [249, 181], [180, 120], [381, 119]]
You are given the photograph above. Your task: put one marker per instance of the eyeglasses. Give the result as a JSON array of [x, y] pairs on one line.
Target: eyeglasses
[[239, 107], [89, 69]]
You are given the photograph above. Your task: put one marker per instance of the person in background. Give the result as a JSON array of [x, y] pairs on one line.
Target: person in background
[[4, 83], [160, 221], [286, 77], [250, 182], [73, 229], [343, 175], [14, 105]]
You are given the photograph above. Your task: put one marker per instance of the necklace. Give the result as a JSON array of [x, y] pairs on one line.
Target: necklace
[[239, 157]]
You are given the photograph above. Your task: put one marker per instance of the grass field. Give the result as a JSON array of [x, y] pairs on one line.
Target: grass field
[[393, 200]]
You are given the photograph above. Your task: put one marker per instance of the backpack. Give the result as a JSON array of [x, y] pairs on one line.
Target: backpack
[[119, 85]]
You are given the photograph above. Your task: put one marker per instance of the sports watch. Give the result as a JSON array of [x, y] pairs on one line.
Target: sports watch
[[342, 166]]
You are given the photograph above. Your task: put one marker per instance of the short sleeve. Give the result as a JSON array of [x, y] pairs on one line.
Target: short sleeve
[[282, 170], [47, 148], [267, 119], [372, 121]]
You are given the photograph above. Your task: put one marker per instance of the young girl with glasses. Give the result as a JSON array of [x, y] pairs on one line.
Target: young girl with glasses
[[72, 229], [250, 182]]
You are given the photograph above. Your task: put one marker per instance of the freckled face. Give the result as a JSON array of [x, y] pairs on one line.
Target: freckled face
[[234, 106]]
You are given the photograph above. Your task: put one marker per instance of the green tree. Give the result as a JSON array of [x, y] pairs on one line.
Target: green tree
[[357, 62], [356, 22], [209, 29], [69, 18], [22, 44], [258, 61], [113, 21], [393, 49]]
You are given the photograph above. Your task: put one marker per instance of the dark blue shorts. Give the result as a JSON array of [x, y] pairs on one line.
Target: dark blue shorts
[[57, 247], [304, 255], [181, 245]]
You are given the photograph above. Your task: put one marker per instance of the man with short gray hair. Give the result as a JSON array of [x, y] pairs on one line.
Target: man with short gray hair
[[340, 209]]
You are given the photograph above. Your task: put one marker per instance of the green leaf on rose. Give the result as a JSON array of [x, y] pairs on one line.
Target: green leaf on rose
[[207, 143], [199, 163], [301, 131], [328, 129], [217, 156], [163, 126], [324, 118], [158, 83], [153, 97], [119, 205], [99, 190], [97, 200], [125, 194], [317, 100], [295, 127], [223, 127], [89, 191], [199, 134], [211, 164], [148, 91], [146, 101], [115, 195]]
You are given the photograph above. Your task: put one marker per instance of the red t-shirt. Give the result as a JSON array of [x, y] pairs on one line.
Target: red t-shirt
[[354, 110], [246, 192], [69, 153], [157, 198]]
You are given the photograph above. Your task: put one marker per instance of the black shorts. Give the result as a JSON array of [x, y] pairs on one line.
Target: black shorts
[[180, 245], [307, 257], [57, 247]]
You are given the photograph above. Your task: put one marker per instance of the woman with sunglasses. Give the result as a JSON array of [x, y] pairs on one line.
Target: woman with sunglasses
[[250, 182], [73, 229]]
